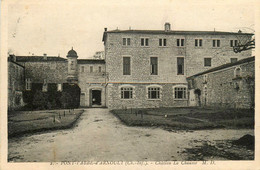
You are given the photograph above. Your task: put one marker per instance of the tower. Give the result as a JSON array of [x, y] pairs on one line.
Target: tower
[[72, 67]]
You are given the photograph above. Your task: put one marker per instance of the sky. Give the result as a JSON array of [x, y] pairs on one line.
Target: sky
[[55, 26]]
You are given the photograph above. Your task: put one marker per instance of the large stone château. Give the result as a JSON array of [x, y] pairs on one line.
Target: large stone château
[[141, 68], [148, 68]]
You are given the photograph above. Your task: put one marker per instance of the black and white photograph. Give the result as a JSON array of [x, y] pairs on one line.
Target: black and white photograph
[[128, 83]]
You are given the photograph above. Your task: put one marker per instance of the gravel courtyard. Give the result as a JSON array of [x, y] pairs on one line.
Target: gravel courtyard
[[100, 136]]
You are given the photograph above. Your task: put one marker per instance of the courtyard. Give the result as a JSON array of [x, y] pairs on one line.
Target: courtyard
[[100, 136]]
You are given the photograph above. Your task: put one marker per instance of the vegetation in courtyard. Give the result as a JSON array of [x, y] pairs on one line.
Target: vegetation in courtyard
[[37, 99], [187, 118], [21, 122]]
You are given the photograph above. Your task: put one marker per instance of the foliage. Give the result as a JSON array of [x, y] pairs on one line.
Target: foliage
[[52, 99]]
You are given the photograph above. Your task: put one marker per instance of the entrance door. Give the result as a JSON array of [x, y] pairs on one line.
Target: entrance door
[[96, 97]]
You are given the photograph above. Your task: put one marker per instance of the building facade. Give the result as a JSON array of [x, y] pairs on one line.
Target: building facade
[[92, 81], [49, 71], [138, 68], [230, 86], [15, 84], [148, 68]]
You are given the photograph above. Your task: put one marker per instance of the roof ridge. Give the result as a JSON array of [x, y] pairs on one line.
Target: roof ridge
[[248, 59]]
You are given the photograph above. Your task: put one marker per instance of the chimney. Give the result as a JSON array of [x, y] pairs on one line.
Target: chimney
[[13, 57], [167, 26], [45, 56], [105, 29]]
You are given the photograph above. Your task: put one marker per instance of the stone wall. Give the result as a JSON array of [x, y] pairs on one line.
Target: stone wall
[[53, 71], [223, 89], [91, 81], [140, 96], [15, 85], [167, 56], [167, 64]]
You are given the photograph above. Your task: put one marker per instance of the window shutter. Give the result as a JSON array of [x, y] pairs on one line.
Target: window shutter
[[126, 66], [180, 65]]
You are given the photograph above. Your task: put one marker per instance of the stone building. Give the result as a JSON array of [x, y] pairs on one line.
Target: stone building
[[230, 85], [15, 84], [148, 68], [141, 68], [45, 70], [92, 81]]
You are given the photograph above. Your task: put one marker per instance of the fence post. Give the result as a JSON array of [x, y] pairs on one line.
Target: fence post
[[64, 113], [54, 118]]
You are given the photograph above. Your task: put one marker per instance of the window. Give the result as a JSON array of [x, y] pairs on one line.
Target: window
[[238, 72], [144, 42], [45, 85], [126, 66], [28, 84], [82, 69], [154, 65], [59, 87], [99, 69], [198, 42], [207, 62], [180, 65], [180, 92], [216, 43], [126, 41], [154, 93], [162, 42], [180, 42], [126, 93], [233, 43], [72, 63], [91, 69], [205, 78], [233, 60], [53, 65]]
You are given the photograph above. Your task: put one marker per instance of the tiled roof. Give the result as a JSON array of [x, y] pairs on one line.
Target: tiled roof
[[178, 32], [249, 59], [38, 58], [91, 61]]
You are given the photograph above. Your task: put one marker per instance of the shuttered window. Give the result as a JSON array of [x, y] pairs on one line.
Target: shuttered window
[[207, 62], [126, 66], [180, 65], [154, 65]]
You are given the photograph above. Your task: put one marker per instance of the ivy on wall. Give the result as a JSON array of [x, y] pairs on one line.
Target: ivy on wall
[[36, 99]]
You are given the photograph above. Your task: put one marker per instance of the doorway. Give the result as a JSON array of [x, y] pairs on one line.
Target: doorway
[[96, 97]]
